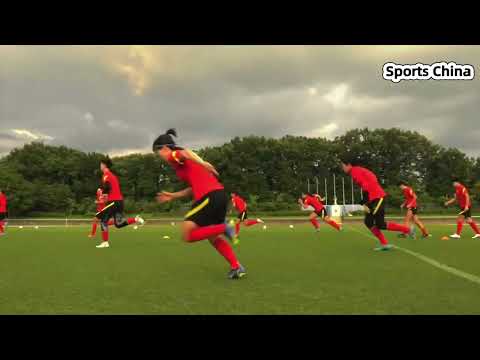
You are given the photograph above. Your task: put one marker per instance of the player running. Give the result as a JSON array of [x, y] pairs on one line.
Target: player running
[[411, 205], [206, 219], [374, 202], [114, 204], [3, 212], [319, 210], [241, 206], [100, 202], [463, 199]]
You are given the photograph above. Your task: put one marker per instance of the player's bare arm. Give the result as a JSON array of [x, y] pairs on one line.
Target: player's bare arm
[[166, 196], [449, 202]]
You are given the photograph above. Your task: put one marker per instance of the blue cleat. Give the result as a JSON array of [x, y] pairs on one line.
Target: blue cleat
[[236, 274]]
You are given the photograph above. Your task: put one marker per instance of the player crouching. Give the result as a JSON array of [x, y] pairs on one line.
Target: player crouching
[[463, 199], [319, 210]]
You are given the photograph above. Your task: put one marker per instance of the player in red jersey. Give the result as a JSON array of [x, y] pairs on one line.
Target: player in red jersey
[[241, 206], [411, 205], [3, 212], [206, 219], [374, 202], [319, 210], [463, 199], [114, 203], [100, 202]]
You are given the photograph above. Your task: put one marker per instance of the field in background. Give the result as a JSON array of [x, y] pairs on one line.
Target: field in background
[[290, 271]]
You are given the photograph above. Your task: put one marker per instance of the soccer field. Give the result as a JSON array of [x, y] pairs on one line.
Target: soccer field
[[290, 271]]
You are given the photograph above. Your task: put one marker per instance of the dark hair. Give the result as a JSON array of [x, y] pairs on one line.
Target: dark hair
[[107, 162], [165, 140], [348, 159], [455, 179], [401, 182]]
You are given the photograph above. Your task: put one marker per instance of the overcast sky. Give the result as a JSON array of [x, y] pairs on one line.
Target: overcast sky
[[116, 99]]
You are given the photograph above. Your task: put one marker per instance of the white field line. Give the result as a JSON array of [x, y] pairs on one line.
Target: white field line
[[462, 274]]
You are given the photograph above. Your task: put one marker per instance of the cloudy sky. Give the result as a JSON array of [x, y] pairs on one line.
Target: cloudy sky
[[116, 99]]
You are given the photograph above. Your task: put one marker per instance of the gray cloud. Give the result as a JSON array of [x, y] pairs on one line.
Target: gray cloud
[[118, 98]]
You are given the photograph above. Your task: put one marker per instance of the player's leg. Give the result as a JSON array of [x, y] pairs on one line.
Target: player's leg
[[313, 219], [119, 218], [248, 222], [241, 218], [224, 249], [407, 222], [327, 219], [104, 216], [379, 215], [369, 222], [472, 224], [460, 221], [420, 224], [95, 222]]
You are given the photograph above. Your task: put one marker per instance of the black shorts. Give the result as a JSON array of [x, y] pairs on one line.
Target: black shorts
[[414, 210], [376, 215], [467, 214], [209, 210], [113, 209], [322, 213], [243, 216], [3, 216]]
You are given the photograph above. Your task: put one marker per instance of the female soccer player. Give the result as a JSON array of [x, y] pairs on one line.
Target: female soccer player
[[374, 203], [316, 201], [241, 206], [463, 199], [100, 202], [206, 219], [410, 204], [3, 212]]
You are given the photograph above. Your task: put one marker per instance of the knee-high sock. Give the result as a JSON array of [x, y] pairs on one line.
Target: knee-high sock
[[2, 226], [224, 248], [391, 226], [105, 235], [251, 222], [111, 222], [379, 235], [237, 228], [459, 227], [333, 223], [131, 221], [315, 223], [94, 229], [206, 232], [474, 227]]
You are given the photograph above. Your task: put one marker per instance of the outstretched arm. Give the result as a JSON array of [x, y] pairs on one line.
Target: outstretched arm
[[164, 196]]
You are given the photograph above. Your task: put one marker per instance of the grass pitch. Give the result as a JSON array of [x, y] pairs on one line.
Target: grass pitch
[[290, 271]]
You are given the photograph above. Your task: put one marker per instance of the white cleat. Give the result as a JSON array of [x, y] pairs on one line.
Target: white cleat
[[104, 244], [455, 236], [139, 220], [476, 236], [260, 221]]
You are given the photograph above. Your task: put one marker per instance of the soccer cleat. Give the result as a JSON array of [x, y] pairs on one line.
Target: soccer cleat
[[383, 247], [139, 220], [235, 274], [476, 236], [317, 229], [426, 236], [455, 236], [104, 244], [412, 233], [90, 236], [260, 221]]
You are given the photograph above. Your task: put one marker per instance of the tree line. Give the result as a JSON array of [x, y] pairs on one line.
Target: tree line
[[270, 173]]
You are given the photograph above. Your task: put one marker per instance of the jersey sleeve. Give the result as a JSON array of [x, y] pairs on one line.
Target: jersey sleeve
[[107, 186]]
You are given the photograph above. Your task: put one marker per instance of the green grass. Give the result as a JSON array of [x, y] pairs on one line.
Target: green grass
[[59, 271]]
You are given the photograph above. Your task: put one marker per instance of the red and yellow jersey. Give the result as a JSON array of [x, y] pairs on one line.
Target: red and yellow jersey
[[314, 202], [463, 199], [100, 200], [368, 182], [410, 198], [3, 203], [201, 180], [239, 204], [111, 186]]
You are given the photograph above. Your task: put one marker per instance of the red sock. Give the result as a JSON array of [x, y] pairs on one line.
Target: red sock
[[333, 223], [131, 221], [391, 226], [224, 248], [375, 231], [1, 227], [105, 235], [315, 223], [474, 227], [237, 228], [459, 227], [206, 232], [251, 222], [110, 222], [94, 228]]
